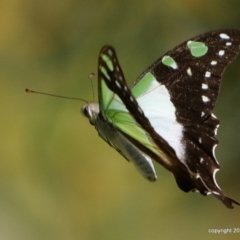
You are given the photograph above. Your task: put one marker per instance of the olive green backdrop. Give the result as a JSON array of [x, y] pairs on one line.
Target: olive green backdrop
[[58, 179]]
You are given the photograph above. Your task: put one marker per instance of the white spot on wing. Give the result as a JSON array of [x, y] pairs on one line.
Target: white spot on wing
[[221, 53], [195, 190], [205, 98], [201, 160], [110, 52], [207, 74], [204, 86], [213, 116], [189, 72], [140, 110], [214, 177], [200, 140], [202, 114], [213, 151], [224, 36], [118, 84], [216, 129], [228, 43]]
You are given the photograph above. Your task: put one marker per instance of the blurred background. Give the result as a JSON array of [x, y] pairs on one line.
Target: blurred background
[[58, 179]]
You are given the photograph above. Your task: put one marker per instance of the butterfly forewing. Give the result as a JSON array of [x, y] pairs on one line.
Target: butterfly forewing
[[112, 107], [111, 76]]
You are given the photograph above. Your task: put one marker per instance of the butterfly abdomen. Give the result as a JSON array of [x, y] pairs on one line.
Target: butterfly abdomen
[[126, 148]]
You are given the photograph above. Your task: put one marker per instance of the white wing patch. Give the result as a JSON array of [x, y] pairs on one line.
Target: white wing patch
[[156, 104], [154, 100]]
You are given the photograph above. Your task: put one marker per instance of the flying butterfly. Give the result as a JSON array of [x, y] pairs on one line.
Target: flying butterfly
[[166, 114]]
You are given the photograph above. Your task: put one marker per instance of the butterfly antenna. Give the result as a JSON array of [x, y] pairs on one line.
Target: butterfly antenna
[[53, 95], [90, 78]]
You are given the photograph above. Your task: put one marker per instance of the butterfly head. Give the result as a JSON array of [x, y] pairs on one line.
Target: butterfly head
[[91, 111]]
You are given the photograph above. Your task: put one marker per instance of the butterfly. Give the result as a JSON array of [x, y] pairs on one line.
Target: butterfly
[[166, 114]]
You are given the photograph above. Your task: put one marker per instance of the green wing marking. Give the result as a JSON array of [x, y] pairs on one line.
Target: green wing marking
[[142, 85], [197, 49]]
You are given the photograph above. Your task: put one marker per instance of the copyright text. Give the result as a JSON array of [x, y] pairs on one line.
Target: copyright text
[[223, 230]]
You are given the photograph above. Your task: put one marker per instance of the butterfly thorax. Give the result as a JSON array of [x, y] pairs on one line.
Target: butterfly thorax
[[105, 129]]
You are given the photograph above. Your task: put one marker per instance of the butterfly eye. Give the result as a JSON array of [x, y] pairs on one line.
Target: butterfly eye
[[85, 111]]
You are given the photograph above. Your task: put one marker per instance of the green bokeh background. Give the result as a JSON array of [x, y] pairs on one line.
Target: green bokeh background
[[58, 179]]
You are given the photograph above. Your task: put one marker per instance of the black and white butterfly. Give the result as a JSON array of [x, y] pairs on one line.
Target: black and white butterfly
[[166, 115]]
